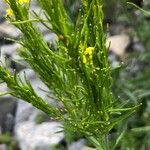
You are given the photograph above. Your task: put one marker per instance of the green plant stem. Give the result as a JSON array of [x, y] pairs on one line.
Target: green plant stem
[[103, 143], [100, 143]]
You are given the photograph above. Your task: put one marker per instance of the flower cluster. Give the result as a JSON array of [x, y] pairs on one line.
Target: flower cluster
[[23, 1], [88, 55], [9, 12], [19, 1]]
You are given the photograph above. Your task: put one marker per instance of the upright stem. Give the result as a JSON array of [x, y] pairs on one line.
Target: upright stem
[[100, 143]]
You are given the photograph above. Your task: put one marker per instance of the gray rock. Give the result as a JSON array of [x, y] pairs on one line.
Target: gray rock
[[42, 28], [8, 31], [38, 137], [9, 53], [51, 38], [25, 112], [3, 147], [9, 49], [138, 47], [3, 88], [8, 107], [34, 4], [79, 145], [114, 62], [119, 28], [2, 9]]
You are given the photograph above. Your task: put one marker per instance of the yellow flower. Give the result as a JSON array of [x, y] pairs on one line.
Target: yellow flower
[[88, 55], [23, 1], [6, 1], [89, 51], [9, 12], [19, 1]]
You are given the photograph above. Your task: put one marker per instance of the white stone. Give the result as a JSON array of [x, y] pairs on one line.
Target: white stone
[[2, 9], [8, 30], [38, 137], [25, 112], [9, 49], [3, 147], [3, 88], [118, 44]]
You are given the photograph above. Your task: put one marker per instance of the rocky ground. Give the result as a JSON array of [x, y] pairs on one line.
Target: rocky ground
[[21, 120]]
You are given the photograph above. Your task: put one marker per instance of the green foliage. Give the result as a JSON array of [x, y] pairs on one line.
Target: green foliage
[[136, 87], [77, 72], [9, 141], [41, 117]]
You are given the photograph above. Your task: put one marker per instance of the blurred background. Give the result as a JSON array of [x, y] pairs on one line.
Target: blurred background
[[23, 127]]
